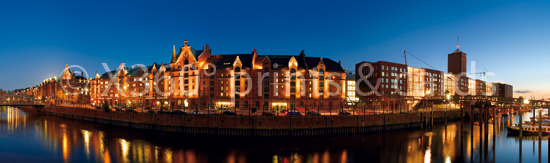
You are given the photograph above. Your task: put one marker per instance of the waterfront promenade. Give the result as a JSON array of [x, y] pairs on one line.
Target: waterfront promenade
[[251, 125]]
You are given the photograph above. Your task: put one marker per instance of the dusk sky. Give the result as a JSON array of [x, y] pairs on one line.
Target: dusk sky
[[509, 39]]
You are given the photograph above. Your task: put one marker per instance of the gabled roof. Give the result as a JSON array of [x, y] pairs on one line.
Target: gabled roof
[[329, 64], [150, 68], [196, 53], [106, 75], [134, 71], [221, 62]]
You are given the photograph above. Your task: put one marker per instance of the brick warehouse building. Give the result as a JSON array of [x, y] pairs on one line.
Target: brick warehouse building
[[273, 83], [70, 88]]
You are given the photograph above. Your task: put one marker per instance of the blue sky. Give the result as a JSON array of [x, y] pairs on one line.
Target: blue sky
[[507, 38]]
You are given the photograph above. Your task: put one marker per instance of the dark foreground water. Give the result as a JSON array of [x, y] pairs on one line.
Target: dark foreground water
[[39, 138]]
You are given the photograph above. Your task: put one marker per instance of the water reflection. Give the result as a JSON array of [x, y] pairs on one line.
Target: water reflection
[[56, 139]]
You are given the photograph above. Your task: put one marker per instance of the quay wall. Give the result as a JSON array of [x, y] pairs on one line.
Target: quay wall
[[252, 125]]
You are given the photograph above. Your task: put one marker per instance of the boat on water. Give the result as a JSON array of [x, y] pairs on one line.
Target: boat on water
[[528, 130]]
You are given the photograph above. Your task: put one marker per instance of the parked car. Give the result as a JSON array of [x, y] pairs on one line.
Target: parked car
[[284, 111], [178, 112], [344, 113], [196, 112], [229, 113], [310, 113], [131, 111], [268, 114], [253, 110], [151, 111], [294, 113]]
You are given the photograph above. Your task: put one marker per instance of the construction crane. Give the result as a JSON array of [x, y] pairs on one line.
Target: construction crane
[[405, 56], [482, 74]]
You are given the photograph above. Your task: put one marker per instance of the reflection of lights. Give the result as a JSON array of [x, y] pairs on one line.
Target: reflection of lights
[[344, 156], [428, 155], [448, 159], [86, 135], [65, 147], [168, 156], [326, 156], [125, 146], [106, 158], [185, 103], [275, 159]]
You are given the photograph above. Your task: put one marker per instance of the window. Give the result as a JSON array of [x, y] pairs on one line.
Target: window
[[266, 83], [266, 69], [321, 74], [292, 73]]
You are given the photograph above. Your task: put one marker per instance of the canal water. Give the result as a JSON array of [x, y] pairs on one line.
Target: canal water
[[29, 137]]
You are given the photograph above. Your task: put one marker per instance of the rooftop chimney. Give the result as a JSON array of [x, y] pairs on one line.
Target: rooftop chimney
[[340, 62]]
